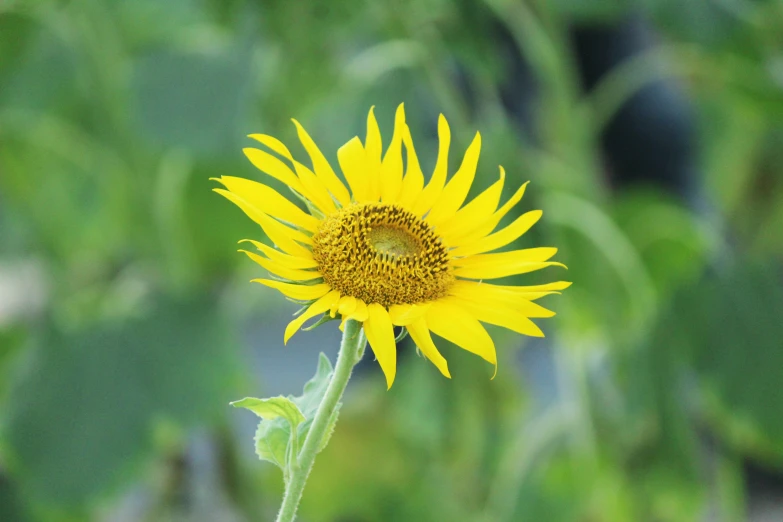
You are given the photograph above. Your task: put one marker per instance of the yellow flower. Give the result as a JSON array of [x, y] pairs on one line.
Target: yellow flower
[[393, 251]]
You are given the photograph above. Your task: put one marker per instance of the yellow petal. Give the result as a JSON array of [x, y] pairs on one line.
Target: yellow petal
[[501, 238], [268, 200], [318, 307], [511, 257], [421, 336], [284, 237], [320, 196], [372, 151], [322, 168], [513, 200], [273, 143], [353, 163], [547, 287], [501, 315], [532, 296], [504, 271], [314, 190], [413, 181], [380, 334], [533, 292], [470, 236], [472, 215], [293, 274], [283, 259], [301, 292], [360, 312], [455, 192], [272, 166], [492, 266], [432, 191], [485, 294], [347, 305], [402, 315], [454, 323], [391, 168]]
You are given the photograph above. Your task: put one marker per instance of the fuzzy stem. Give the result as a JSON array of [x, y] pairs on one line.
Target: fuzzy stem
[[353, 341]]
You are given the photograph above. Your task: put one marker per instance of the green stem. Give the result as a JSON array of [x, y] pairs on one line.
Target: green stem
[[353, 341]]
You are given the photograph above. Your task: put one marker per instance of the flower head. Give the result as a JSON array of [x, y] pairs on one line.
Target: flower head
[[392, 250]]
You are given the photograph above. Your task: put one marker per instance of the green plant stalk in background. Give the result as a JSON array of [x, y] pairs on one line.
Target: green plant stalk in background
[[351, 347]]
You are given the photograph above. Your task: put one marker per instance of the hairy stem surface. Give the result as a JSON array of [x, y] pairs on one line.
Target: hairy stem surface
[[353, 342]]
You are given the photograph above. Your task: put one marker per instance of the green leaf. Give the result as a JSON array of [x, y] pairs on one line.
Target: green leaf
[[280, 416], [272, 408], [273, 438], [315, 388], [314, 391]]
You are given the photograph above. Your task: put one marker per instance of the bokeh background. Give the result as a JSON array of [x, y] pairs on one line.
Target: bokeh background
[[651, 131]]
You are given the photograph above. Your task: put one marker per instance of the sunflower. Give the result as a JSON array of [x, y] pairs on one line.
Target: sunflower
[[392, 251]]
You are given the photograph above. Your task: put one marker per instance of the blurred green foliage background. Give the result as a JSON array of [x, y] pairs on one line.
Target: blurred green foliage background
[[127, 323]]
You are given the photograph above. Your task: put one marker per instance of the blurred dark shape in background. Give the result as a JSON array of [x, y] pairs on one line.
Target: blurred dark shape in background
[[650, 139], [653, 138]]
